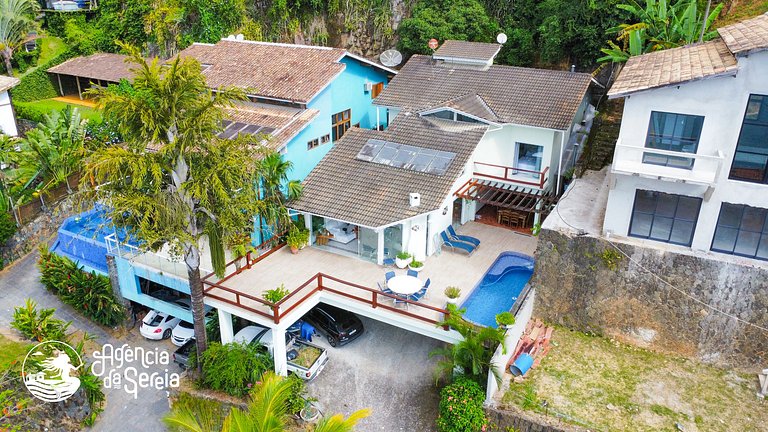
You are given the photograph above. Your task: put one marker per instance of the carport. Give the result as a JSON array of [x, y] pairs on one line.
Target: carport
[[75, 76]]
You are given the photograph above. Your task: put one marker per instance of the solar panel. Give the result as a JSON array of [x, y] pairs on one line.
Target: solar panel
[[250, 129], [234, 129], [406, 156]]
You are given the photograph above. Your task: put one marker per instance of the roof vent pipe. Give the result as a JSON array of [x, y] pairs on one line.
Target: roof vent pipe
[[573, 68], [415, 199]]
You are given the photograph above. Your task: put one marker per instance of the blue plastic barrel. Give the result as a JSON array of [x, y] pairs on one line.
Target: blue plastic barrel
[[522, 364]]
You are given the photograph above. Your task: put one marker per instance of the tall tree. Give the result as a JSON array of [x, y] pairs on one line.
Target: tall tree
[[173, 180], [267, 412], [17, 18], [275, 190]]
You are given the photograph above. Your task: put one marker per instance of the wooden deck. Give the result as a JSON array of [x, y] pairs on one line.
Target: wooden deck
[[444, 269]]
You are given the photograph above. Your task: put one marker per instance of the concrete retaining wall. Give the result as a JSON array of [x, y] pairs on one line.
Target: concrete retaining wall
[[581, 282]]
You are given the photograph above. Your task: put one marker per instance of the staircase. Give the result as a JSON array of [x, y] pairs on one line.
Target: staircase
[[602, 138]]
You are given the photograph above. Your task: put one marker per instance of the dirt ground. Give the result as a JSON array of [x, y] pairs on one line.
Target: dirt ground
[[605, 385]]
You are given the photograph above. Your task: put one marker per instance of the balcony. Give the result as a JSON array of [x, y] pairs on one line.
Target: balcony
[[160, 261], [699, 169], [524, 177]]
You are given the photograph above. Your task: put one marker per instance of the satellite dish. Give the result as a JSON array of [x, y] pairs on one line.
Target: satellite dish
[[391, 58], [501, 38], [240, 37]]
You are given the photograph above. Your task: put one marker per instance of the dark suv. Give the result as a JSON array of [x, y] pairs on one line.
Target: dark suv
[[340, 327]]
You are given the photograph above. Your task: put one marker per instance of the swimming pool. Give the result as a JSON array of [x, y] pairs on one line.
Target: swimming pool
[[499, 288], [81, 238]]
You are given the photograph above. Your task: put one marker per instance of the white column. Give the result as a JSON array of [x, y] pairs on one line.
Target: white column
[[308, 226], [278, 352], [377, 118], [225, 326], [380, 247]]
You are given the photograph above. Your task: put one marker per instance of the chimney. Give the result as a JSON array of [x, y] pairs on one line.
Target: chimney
[[415, 199]]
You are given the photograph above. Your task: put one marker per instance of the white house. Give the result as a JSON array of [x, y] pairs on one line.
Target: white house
[[466, 137], [691, 161], [7, 116]]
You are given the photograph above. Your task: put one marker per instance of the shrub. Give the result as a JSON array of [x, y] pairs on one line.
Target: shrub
[[234, 368], [33, 113], [38, 325], [277, 294], [7, 227], [297, 399], [89, 293], [403, 255], [461, 407]]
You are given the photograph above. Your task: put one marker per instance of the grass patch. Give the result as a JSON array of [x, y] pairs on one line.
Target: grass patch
[[50, 47], [48, 105], [606, 385], [11, 351], [740, 10]]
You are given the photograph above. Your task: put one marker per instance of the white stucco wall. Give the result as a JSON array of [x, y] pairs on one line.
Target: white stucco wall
[[7, 119], [722, 101]]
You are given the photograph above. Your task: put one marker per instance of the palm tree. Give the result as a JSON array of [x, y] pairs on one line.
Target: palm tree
[[267, 412], [172, 180], [660, 25], [275, 190], [472, 356], [17, 18]]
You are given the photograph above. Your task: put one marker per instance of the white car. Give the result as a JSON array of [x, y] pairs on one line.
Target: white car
[[184, 331], [306, 366], [159, 325]]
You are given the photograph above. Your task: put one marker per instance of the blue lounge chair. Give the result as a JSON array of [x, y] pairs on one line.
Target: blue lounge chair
[[389, 275], [413, 273], [456, 244], [389, 262], [465, 238]]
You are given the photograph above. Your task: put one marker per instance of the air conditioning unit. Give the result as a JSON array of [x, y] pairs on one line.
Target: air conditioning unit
[[368, 86]]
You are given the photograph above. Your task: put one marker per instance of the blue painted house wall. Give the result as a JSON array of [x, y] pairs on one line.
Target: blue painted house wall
[[128, 275], [346, 91]]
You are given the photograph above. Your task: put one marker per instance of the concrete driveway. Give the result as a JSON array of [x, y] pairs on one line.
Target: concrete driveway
[[386, 369]]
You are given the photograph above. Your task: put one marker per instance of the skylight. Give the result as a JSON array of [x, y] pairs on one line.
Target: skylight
[[406, 156], [234, 129]]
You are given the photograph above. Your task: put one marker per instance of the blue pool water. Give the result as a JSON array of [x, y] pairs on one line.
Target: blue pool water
[[499, 288], [81, 238]]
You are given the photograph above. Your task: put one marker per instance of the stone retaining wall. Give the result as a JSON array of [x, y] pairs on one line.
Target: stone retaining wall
[[517, 420], [582, 282]]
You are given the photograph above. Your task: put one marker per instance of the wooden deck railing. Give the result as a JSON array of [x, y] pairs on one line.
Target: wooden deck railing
[[271, 245], [510, 174], [317, 283]]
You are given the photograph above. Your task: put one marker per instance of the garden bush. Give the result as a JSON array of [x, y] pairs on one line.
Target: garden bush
[[7, 227], [38, 325], [461, 407], [234, 368], [33, 113], [89, 293]]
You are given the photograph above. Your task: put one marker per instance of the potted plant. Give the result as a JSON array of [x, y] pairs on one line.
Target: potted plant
[[453, 294], [416, 266], [276, 294], [297, 239], [402, 259], [240, 245]]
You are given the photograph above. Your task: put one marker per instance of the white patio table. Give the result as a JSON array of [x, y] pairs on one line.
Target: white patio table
[[405, 285]]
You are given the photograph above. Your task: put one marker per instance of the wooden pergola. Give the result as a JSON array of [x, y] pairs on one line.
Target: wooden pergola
[[508, 196]]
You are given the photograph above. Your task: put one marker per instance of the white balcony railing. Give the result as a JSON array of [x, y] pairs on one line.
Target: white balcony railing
[[155, 260], [692, 168]]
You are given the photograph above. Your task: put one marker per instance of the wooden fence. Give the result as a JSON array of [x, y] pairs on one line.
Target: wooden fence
[[27, 212]]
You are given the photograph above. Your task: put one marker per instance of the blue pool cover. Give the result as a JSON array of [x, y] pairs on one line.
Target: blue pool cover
[[499, 288]]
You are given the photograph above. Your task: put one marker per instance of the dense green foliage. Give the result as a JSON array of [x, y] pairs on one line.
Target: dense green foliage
[[38, 83], [87, 292], [234, 368], [461, 407], [39, 325], [7, 227]]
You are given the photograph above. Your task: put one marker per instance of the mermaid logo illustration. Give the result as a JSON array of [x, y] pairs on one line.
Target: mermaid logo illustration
[[48, 371]]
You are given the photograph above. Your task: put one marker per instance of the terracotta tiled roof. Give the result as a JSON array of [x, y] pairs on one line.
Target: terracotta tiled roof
[[479, 51], [747, 36], [346, 188], [473, 104], [101, 66], [7, 82], [281, 71], [524, 96], [674, 66]]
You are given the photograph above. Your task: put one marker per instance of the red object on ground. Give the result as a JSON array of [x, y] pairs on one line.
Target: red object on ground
[[432, 43]]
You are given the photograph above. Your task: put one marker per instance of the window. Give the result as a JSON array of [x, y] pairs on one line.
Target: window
[[325, 138], [664, 217], [528, 159], [741, 230], [340, 123], [750, 162], [313, 143], [445, 114], [377, 89], [465, 119], [673, 132]]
